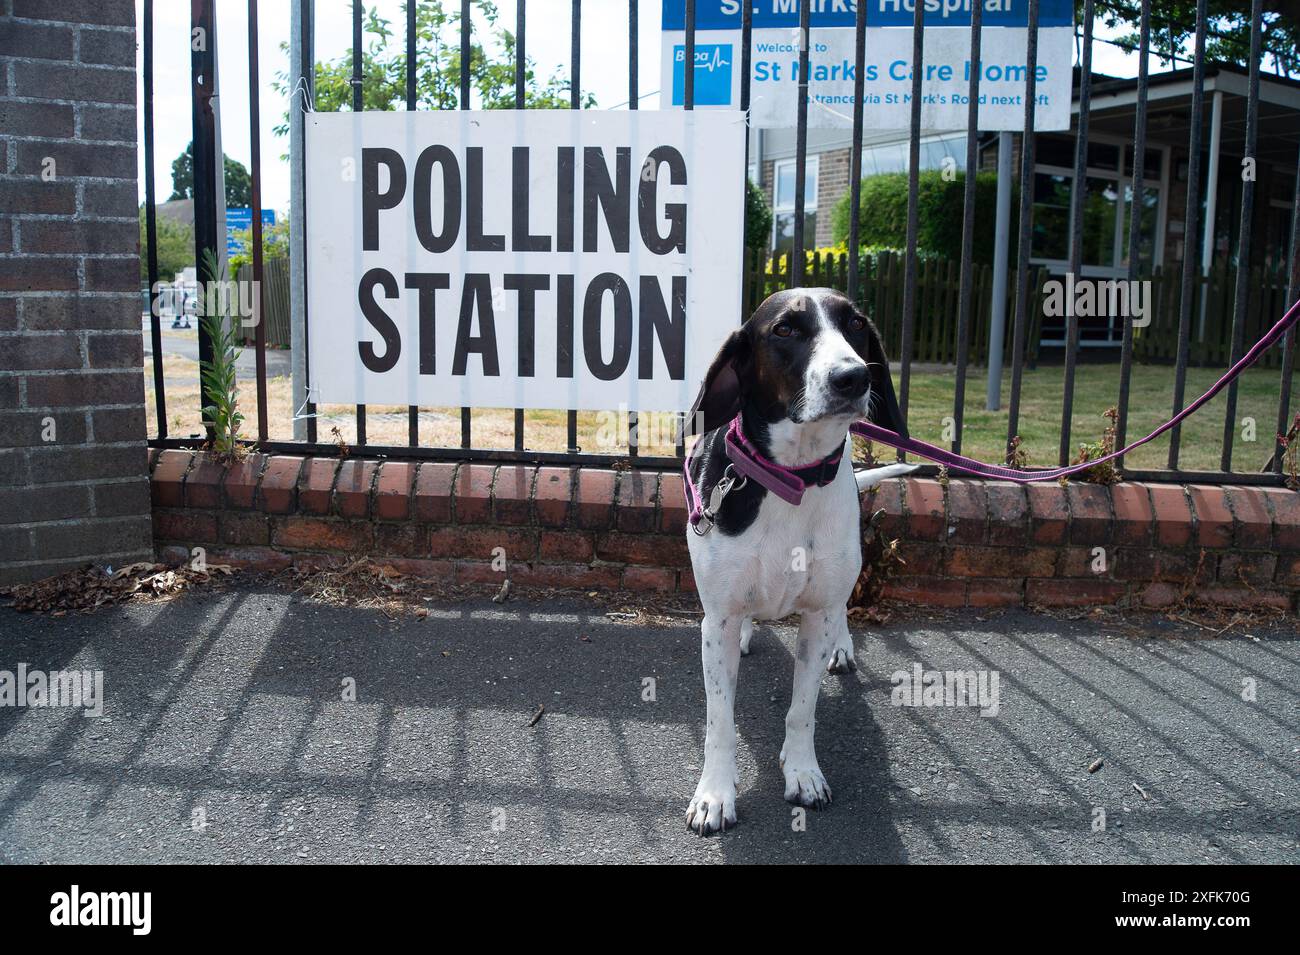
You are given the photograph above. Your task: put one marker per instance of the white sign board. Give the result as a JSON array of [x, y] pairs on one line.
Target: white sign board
[[522, 259], [887, 75]]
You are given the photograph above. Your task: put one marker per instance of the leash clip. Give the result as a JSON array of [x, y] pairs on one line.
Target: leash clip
[[708, 513]]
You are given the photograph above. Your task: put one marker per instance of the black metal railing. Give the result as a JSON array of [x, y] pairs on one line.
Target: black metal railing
[[1024, 299]]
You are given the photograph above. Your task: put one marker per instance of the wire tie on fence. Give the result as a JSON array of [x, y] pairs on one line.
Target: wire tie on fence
[[298, 415], [308, 106]]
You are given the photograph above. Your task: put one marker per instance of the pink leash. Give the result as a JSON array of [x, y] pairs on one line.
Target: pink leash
[[874, 432], [788, 485]]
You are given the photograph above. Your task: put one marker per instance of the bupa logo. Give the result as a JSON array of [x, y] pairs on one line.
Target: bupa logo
[[712, 74]]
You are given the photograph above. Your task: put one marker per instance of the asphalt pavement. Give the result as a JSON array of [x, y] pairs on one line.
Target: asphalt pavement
[[228, 735]]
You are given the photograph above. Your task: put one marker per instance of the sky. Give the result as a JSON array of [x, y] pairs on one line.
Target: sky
[[604, 68]]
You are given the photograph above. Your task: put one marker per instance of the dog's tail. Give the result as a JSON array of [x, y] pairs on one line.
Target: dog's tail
[[870, 478]]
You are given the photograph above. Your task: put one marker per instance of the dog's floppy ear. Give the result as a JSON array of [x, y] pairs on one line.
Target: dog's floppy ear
[[884, 409], [719, 398]]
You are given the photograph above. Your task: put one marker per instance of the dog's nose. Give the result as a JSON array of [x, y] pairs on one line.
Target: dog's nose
[[851, 381]]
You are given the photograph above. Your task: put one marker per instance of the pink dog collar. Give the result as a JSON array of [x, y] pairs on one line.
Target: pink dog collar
[[786, 483]]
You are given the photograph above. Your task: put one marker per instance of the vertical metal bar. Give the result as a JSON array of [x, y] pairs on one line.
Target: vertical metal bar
[[1077, 195], [575, 102], [358, 104], [1210, 212], [151, 227], [967, 225], [1138, 180], [1243, 233], [801, 145], [255, 177], [746, 67], [998, 293], [412, 20], [1191, 218], [466, 54], [413, 411], [913, 212], [521, 71], [746, 61], [306, 70], [688, 59], [633, 97], [203, 90], [1288, 346], [1026, 211], [688, 102], [855, 157]]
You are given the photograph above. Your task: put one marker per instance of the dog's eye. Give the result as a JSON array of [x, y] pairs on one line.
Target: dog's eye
[[857, 323], [782, 330]]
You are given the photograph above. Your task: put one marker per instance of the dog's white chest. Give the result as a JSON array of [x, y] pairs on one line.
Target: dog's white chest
[[790, 559]]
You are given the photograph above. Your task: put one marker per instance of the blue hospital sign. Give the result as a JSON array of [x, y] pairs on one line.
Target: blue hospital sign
[[240, 219], [887, 67]]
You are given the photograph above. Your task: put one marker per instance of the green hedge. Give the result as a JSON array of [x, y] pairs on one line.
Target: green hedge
[[883, 219], [758, 217]]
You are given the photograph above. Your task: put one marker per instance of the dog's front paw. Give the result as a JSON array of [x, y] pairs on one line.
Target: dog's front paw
[[806, 786], [712, 810]]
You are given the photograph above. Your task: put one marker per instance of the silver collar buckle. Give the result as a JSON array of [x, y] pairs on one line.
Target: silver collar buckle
[[708, 513]]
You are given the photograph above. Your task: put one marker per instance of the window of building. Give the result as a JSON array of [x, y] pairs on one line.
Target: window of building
[[783, 205], [1108, 193], [892, 157], [1107, 203]]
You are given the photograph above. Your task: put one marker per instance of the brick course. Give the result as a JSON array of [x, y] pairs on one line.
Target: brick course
[[966, 543]]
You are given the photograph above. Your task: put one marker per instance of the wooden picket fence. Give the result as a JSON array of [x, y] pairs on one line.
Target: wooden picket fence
[[1216, 293], [275, 299]]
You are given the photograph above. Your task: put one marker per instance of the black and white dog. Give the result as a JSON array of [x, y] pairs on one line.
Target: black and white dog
[[802, 368]]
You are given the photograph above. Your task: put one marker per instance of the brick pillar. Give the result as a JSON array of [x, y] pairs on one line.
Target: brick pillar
[[73, 465]]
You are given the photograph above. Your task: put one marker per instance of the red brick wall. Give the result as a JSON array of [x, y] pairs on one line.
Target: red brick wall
[[832, 185], [966, 543]]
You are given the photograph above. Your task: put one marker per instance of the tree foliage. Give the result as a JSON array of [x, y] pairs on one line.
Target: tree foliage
[[239, 186], [437, 57], [940, 206], [275, 245], [758, 217], [175, 248], [1173, 26]]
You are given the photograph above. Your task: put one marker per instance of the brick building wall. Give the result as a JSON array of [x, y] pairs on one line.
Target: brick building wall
[[832, 185], [73, 465]]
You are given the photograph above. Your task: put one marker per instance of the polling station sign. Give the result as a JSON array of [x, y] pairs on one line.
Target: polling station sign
[[521, 259], [887, 68]]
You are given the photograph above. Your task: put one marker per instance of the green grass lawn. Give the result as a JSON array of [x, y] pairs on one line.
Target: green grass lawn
[[1096, 390]]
